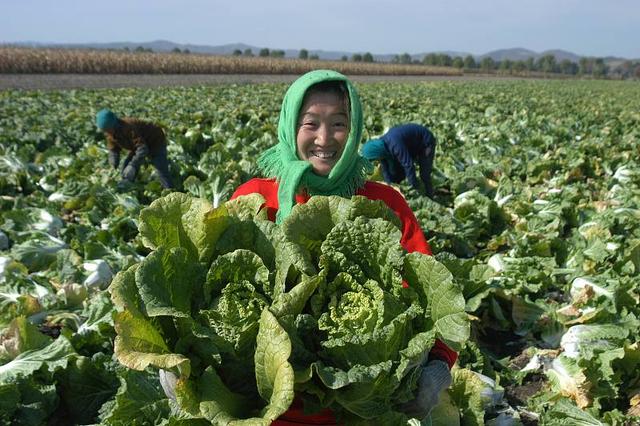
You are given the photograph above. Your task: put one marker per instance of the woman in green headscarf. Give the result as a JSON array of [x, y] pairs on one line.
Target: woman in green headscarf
[[319, 134]]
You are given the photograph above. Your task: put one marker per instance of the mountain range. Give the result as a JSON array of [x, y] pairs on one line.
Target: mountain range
[[514, 54]]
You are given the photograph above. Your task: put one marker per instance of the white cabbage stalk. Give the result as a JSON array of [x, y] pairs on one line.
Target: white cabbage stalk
[[4, 262], [64, 161], [539, 202], [58, 197], [612, 247], [4, 241], [624, 174], [615, 192], [127, 201], [44, 185], [101, 273], [586, 227], [496, 262], [534, 364], [569, 380], [48, 223], [74, 294], [579, 336], [500, 200], [624, 211], [462, 198], [580, 283]]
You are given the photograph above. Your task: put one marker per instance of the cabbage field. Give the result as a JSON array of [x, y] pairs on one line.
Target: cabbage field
[[536, 219]]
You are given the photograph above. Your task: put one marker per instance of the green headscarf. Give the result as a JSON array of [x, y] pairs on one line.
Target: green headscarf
[[281, 161]]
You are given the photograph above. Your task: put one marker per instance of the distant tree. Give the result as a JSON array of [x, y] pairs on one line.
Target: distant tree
[[304, 54], [519, 66], [344, 58], [405, 58], [356, 57], [457, 62], [126, 49], [430, 59], [314, 57], [237, 52], [186, 51], [487, 64], [176, 50], [568, 67], [277, 53], [625, 69], [505, 65], [585, 66], [367, 57], [530, 63], [443, 60], [247, 52], [469, 62], [140, 49], [600, 68], [264, 52], [547, 63]]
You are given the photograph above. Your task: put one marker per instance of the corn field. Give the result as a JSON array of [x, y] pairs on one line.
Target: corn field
[[77, 61]]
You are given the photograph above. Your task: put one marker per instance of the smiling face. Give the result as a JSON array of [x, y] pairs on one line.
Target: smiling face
[[323, 130]]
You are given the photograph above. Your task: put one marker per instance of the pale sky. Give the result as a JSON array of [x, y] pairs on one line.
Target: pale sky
[[585, 27]]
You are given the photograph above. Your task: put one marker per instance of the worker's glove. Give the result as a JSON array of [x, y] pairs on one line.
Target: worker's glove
[[168, 382], [114, 159], [129, 173], [434, 378]]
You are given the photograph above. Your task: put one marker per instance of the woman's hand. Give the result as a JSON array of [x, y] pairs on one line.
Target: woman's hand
[[434, 378]]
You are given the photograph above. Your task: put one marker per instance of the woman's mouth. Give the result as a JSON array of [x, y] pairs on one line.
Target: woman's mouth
[[324, 155]]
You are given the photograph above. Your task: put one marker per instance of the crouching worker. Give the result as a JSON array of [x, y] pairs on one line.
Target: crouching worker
[[142, 139], [399, 150]]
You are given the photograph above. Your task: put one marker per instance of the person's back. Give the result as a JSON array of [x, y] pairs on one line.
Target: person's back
[[133, 132], [399, 149], [415, 137]]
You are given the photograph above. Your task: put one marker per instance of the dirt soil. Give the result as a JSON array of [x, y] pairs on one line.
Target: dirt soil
[[113, 81]]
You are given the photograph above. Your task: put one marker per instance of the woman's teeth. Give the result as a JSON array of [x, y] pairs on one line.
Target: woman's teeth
[[323, 155]]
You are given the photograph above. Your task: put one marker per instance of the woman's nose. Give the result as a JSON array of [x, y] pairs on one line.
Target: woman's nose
[[323, 136]]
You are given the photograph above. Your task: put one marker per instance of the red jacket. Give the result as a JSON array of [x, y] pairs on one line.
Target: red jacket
[[412, 240]]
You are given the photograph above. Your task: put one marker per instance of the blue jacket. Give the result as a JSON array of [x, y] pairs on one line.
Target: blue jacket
[[406, 144]]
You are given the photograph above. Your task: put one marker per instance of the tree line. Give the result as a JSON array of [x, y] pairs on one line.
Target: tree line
[[586, 66]]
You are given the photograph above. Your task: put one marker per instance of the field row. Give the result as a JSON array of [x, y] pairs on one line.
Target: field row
[[70, 61], [536, 216]]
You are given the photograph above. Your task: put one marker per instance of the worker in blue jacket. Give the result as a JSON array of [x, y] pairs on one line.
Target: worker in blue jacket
[[399, 150]]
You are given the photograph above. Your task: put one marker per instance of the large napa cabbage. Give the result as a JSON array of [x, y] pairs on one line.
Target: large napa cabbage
[[247, 314]]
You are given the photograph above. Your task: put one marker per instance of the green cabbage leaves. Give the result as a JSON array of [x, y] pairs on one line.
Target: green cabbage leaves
[[249, 315]]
